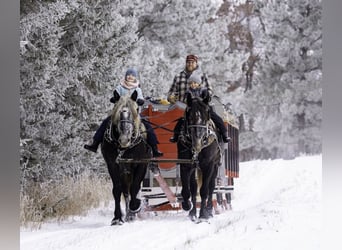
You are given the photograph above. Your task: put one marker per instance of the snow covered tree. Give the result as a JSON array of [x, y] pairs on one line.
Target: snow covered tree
[[288, 94], [40, 34], [269, 66], [170, 30], [72, 55]]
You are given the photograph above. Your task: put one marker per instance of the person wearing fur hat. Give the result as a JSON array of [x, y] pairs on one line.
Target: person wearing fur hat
[[194, 83], [129, 84]]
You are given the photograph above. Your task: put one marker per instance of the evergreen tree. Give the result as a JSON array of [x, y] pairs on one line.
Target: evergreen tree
[[72, 55], [288, 96]]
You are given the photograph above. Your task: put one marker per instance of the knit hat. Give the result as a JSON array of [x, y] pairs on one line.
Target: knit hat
[[195, 78], [132, 72], [191, 58]]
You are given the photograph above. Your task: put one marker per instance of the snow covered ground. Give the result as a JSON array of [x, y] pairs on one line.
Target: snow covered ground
[[276, 205]]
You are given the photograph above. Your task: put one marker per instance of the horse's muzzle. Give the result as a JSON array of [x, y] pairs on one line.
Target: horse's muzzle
[[197, 145], [124, 141]]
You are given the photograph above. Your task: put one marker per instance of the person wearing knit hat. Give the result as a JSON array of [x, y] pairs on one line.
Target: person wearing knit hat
[[195, 78], [129, 84], [193, 85], [179, 86], [191, 58], [132, 72], [126, 87]]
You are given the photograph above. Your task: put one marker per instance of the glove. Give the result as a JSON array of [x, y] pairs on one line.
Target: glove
[[204, 93], [172, 99], [164, 102], [112, 100], [140, 102]]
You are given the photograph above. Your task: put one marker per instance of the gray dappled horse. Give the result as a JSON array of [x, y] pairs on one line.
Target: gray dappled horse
[[125, 138], [198, 141]]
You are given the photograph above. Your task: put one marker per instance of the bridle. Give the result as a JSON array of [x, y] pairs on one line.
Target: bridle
[[126, 129], [197, 130], [123, 133]]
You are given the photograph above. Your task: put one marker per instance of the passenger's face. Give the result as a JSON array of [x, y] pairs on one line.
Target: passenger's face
[[191, 65], [130, 77], [194, 85]]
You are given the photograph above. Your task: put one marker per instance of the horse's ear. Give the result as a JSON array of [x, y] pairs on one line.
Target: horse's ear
[[116, 96], [206, 99], [205, 96], [188, 99], [134, 95]]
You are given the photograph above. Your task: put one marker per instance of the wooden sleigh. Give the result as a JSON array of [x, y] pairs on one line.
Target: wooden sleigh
[[161, 186]]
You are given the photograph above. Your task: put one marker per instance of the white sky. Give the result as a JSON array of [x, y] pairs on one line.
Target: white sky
[[276, 206]]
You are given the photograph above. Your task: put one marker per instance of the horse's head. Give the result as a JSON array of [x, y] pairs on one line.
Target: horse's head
[[125, 119], [197, 121]]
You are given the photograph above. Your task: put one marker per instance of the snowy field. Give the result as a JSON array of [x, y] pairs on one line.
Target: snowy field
[[276, 206]]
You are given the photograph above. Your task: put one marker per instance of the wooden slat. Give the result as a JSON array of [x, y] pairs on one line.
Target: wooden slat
[[163, 123], [233, 152]]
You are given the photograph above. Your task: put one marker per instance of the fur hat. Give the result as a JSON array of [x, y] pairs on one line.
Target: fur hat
[[132, 72], [195, 78], [191, 58]]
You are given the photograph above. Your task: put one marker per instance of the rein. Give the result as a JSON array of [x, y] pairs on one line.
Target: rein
[[137, 138], [199, 126], [129, 121], [208, 136], [162, 125], [110, 137]]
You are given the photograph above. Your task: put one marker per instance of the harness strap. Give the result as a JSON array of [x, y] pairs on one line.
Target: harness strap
[[162, 125], [108, 136], [209, 134]]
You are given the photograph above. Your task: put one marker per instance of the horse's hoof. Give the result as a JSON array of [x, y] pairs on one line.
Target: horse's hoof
[[210, 213], [204, 214], [193, 212], [131, 216], [192, 217], [136, 207], [187, 205], [116, 222]]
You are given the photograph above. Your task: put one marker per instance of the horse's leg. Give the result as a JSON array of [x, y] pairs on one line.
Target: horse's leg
[[210, 196], [193, 191], [138, 176], [126, 196], [116, 191], [212, 184], [117, 220], [130, 215], [185, 171], [204, 191], [134, 206], [125, 184]]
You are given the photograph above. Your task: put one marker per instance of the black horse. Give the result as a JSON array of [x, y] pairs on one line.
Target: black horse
[[198, 141], [125, 138]]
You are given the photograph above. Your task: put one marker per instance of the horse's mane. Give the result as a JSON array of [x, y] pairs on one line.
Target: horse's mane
[[126, 101]]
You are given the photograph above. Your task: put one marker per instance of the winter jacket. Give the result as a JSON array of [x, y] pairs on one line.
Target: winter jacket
[[180, 85], [124, 91], [198, 92]]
